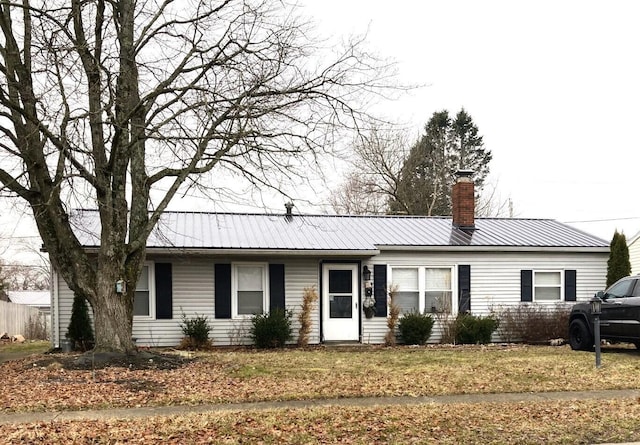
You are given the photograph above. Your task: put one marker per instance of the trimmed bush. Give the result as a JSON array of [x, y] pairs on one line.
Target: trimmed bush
[[415, 328], [472, 329], [271, 330], [196, 331], [80, 332]]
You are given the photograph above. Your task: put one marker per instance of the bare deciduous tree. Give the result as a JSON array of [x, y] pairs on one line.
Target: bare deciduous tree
[[378, 157], [122, 104]]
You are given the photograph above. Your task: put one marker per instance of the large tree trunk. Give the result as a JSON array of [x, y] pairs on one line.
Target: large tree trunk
[[112, 315]]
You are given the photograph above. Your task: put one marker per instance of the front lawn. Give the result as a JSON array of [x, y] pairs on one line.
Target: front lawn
[[225, 376]]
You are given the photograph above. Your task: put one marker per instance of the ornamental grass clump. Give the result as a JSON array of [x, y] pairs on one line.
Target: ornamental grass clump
[[309, 298], [392, 320]]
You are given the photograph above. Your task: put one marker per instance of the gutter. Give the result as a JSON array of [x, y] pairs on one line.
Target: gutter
[[559, 249]]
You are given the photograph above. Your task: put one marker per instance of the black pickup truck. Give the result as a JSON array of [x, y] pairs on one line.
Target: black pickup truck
[[619, 320]]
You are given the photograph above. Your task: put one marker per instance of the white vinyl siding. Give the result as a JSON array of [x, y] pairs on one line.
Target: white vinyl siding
[[495, 283], [495, 278]]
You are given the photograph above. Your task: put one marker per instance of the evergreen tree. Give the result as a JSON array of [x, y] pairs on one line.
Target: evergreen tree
[[618, 265], [428, 173], [79, 331]]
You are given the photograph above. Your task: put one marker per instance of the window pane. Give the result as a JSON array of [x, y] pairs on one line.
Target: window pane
[[250, 278], [547, 278], [340, 306], [143, 281], [249, 302], [437, 301], [141, 298], [547, 293], [141, 303], [340, 282], [438, 279], [405, 279], [407, 302]]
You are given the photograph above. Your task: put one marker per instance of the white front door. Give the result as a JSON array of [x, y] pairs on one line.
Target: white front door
[[340, 292]]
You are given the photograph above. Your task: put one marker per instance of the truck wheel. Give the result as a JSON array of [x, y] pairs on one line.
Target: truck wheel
[[579, 337]]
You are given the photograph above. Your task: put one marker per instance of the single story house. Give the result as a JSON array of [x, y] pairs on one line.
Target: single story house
[[228, 266]]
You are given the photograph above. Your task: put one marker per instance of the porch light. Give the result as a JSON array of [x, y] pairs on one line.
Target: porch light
[[596, 306], [366, 273]]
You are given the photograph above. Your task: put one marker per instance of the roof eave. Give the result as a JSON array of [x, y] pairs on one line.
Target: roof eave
[[580, 249], [255, 252]]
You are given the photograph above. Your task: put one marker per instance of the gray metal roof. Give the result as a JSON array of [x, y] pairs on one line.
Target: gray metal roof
[[194, 230]]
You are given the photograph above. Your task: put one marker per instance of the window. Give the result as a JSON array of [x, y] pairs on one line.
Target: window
[[547, 286], [437, 295], [143, 302], [423, 289], [408, 293], [622, 289], [250, 284]]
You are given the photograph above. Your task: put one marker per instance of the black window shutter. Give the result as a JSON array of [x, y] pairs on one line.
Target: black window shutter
[[570, 285], [223, 290], [526, 285], [380, 289], [164, 291], [464, 288], [276, 286]]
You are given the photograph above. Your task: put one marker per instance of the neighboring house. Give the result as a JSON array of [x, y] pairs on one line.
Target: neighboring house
[[228, 266], [634, 253], [40, 299]]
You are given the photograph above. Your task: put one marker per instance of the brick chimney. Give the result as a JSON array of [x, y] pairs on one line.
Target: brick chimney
[[464, 201]]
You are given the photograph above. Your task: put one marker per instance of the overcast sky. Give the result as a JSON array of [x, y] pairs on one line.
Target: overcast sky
[[552, 85]]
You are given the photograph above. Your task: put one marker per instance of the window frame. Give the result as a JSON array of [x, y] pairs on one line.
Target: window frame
[[535, 286], [152, 292], [234, 288], [422, 283]]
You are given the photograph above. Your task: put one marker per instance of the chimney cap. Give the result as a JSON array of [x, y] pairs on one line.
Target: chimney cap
[[464, 173]]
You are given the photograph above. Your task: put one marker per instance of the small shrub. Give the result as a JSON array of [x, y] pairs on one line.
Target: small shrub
[[472, 329], [271, 330], [415, 328], [36, 327], [196, 331], [310, 296], [533, 323], [80, 332], [392, 320]]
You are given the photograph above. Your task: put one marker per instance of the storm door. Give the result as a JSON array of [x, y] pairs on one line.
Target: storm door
[[340, 294]]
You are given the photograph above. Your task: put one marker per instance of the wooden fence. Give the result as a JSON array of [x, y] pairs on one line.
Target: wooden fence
[[16, 318]]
